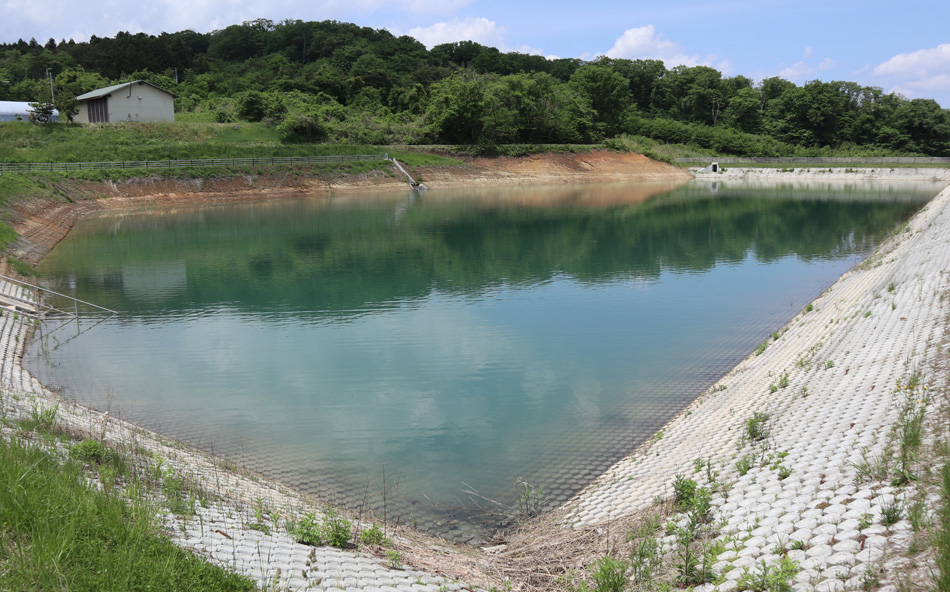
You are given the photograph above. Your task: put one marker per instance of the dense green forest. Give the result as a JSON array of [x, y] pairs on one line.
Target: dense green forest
[[316, 81]]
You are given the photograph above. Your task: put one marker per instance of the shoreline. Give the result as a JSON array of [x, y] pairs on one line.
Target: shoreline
[[41, 224], [879, 173], [835, 330]]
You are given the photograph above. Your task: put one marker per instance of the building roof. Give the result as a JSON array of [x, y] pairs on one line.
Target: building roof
[[102, 92], [14, 107]]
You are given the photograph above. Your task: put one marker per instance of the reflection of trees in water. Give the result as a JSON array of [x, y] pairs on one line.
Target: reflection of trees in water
[[307, 256], [347, 256]]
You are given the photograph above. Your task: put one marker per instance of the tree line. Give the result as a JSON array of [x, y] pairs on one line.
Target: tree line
[[320, 80]]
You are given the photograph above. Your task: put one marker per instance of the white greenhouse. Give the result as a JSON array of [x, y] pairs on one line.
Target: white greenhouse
[[18, 111]]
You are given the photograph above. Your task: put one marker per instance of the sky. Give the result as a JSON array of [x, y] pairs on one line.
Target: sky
[[902, 47]]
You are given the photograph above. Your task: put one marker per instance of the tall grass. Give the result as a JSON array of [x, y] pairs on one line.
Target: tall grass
[[942, 535], [57, 532]]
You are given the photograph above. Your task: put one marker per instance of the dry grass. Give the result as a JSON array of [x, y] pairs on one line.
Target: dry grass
[[541, 555]]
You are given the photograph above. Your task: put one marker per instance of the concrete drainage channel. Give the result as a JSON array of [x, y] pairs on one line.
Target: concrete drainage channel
[[805, 493]]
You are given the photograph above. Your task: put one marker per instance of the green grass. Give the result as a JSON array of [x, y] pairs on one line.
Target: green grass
[[15, 187], [7, 236], [516, 150], [662, 151], [193, 136], [24, 142], [942, 535], [757, 426], [18, 266], [769, 578], [59, 533]]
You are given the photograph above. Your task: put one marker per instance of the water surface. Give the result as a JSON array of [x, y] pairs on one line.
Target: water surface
[[441, 348]]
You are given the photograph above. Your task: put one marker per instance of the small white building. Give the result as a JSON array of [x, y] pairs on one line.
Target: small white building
[[138, 100], [19, 111]]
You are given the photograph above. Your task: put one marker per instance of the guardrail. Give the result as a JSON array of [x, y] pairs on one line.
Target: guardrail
[[23, 167], [39, 307], [823, 159]]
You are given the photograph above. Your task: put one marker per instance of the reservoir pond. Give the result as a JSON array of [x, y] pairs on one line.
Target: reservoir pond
[[427, 355]]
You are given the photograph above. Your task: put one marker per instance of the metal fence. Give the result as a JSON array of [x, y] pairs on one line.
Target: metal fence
[[22, 167], [824, 160]]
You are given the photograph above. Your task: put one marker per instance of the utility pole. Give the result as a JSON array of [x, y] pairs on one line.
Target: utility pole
[[176, 75], [49, 74]]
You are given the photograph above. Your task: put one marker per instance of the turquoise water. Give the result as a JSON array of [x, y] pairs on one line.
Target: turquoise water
[[441, 348]]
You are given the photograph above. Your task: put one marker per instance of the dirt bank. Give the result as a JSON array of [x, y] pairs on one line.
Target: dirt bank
[[587, 167], [41, 224]]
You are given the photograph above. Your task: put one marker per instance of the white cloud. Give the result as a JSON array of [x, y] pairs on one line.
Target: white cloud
[[527, 49], [919, 64], [724, 66], [796, 71], [803, 71], [59, 19], [927, 87], [904, 92], [481, 30], [645, 43], [369, 6], [807, 53], [921, 73], [434, 6]]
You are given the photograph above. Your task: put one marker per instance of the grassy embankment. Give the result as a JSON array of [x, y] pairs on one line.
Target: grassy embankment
[[670, 153], [75, 515], [24, 142]]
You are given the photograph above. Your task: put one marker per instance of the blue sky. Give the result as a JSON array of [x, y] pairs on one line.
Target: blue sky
[[901, 47]]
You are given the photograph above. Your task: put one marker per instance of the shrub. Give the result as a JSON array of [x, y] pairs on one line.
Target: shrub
[[251, 106], [307, 530], [891, 514], [616, 144], [744, 464], [91, 452], [774, 578], [303, 125], [700, 507], [756, 427], [223, 116], [372, 536], [610, 575], [684, 489], [336, 529], [179, 499]]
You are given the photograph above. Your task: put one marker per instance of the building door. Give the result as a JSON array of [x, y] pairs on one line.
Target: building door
[[98, 110]]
